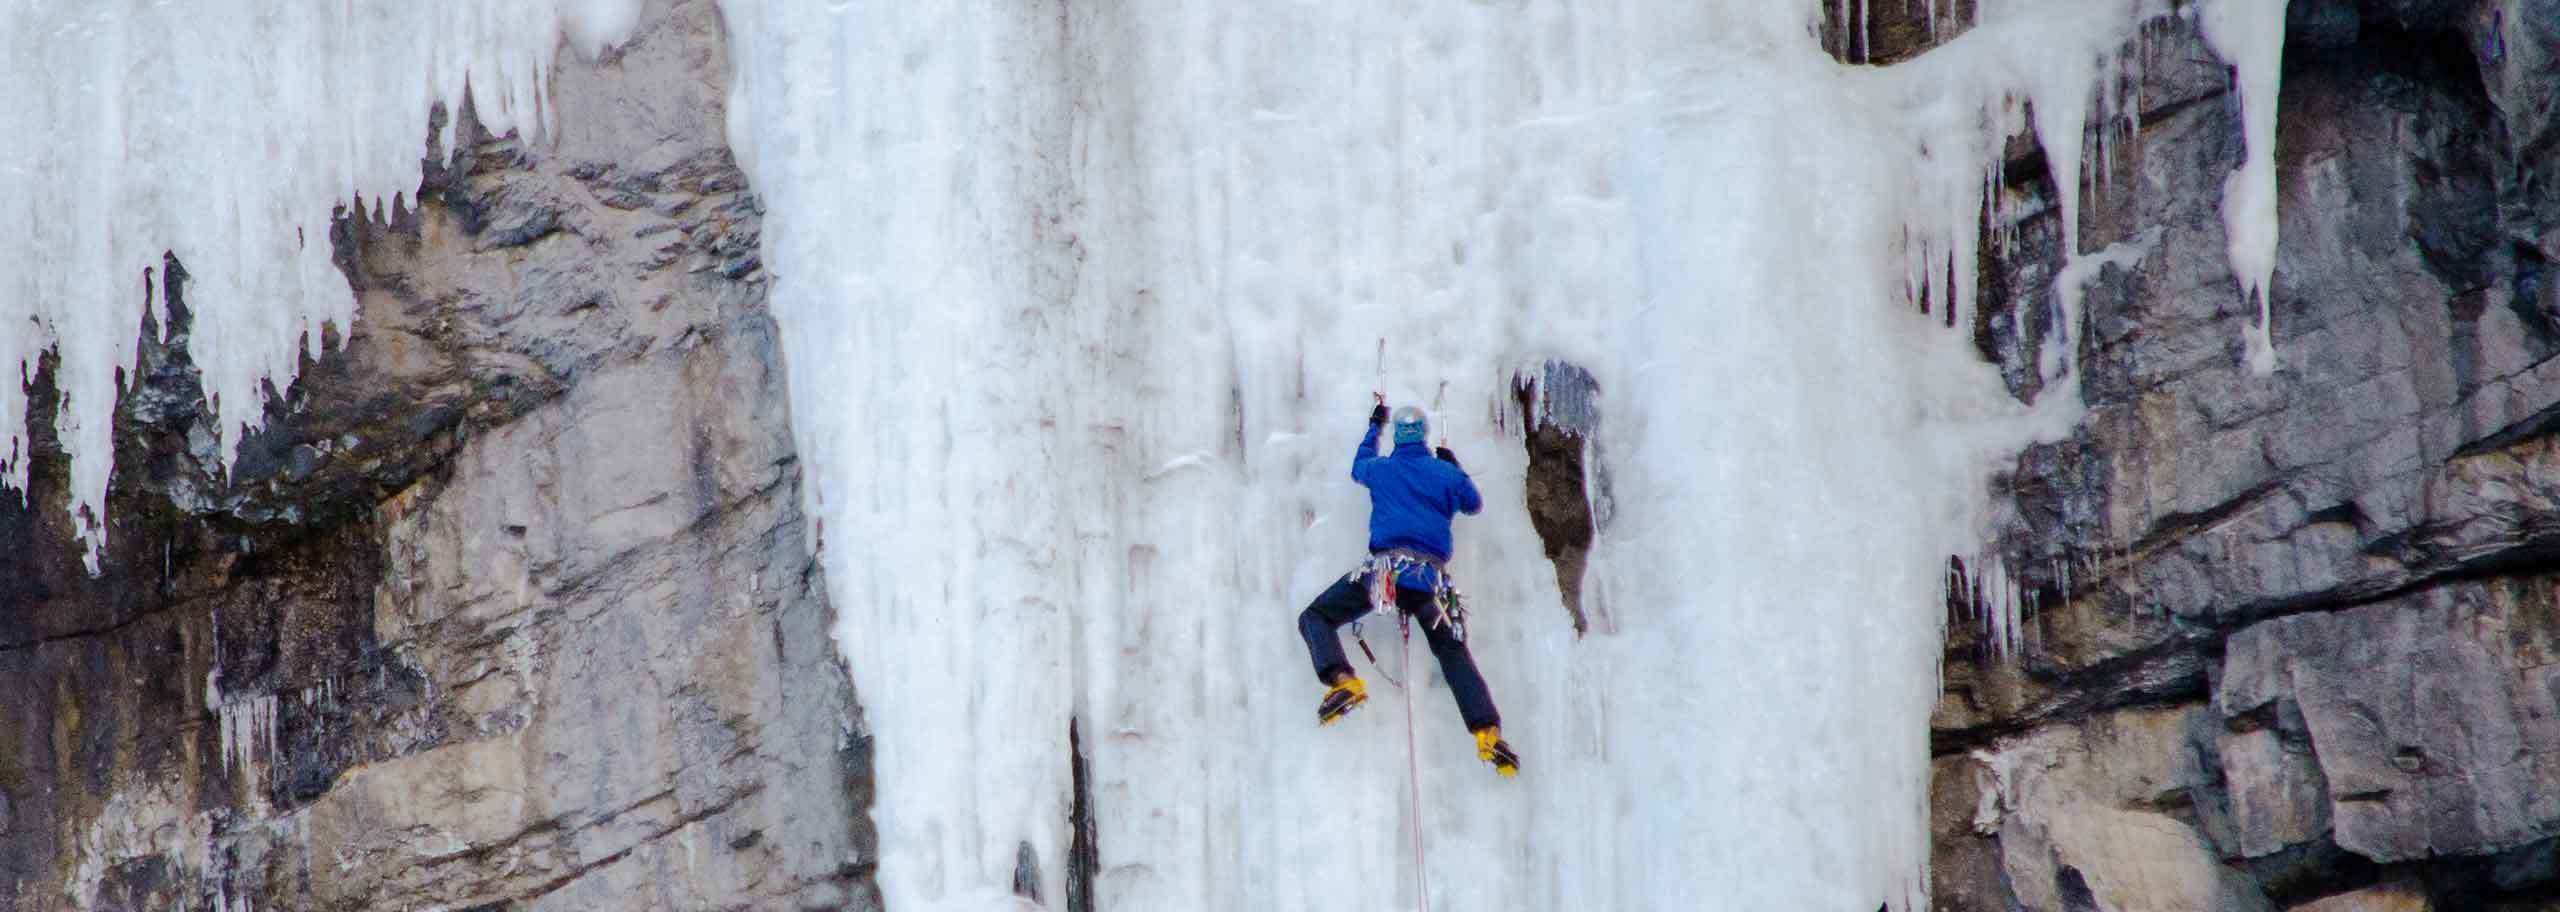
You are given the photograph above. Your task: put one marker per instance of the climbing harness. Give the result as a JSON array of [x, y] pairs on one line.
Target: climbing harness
[[1381, 571]]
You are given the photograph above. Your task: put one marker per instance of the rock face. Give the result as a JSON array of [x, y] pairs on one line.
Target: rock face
[[2294, 639], [508, 608]]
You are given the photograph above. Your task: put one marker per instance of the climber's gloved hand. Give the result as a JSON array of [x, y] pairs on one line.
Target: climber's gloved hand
[[1378, 416], [1446, 456]]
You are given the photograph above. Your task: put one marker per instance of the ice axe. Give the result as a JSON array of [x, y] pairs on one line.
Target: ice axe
[[1379, 392], [1436, 400]]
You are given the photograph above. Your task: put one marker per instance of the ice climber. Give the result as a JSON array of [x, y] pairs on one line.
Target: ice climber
[[1412, 496]]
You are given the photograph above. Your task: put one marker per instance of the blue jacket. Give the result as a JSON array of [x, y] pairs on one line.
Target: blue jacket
[[1412, 496]]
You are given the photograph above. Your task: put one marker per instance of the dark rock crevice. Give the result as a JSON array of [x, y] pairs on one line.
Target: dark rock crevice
[[1558, 410], [1084, 851], [1886, 32]]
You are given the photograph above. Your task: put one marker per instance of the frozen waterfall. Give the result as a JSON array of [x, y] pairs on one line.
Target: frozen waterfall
[[1083, 305]]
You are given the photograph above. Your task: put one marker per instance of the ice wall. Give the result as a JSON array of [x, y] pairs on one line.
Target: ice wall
[[1083, 304], [225, 132]]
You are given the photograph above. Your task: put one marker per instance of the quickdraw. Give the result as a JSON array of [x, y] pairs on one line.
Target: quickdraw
[[1373, 657]]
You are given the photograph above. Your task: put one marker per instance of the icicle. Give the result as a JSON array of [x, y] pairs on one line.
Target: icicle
[[2111, 110], [2070, 286], [113, 170], [2000, 605], [2059, 94], [248, 734], [2249, 35], [2004, 620], [1866, 37]]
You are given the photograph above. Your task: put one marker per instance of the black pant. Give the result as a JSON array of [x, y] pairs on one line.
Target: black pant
[[1346, 601]]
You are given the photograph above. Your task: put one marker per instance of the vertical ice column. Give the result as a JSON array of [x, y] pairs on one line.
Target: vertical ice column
[[909, 151], [1784, 499], [2249, 34], [1081, 302]]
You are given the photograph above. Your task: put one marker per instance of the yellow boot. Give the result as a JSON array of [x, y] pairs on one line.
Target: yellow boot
[[1346, 694], [1490, 748]]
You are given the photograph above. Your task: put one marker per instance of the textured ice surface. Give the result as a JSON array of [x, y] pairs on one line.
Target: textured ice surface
[[1082, 307]]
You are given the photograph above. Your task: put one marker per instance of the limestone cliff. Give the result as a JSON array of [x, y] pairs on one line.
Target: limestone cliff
[[2294, 638]]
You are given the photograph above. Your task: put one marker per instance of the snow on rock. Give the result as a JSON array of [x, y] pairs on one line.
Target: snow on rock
[[2049, 68], [226, 133]]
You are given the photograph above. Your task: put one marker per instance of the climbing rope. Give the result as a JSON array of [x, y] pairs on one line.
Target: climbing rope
[[1413, 770], [1383, 570]]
